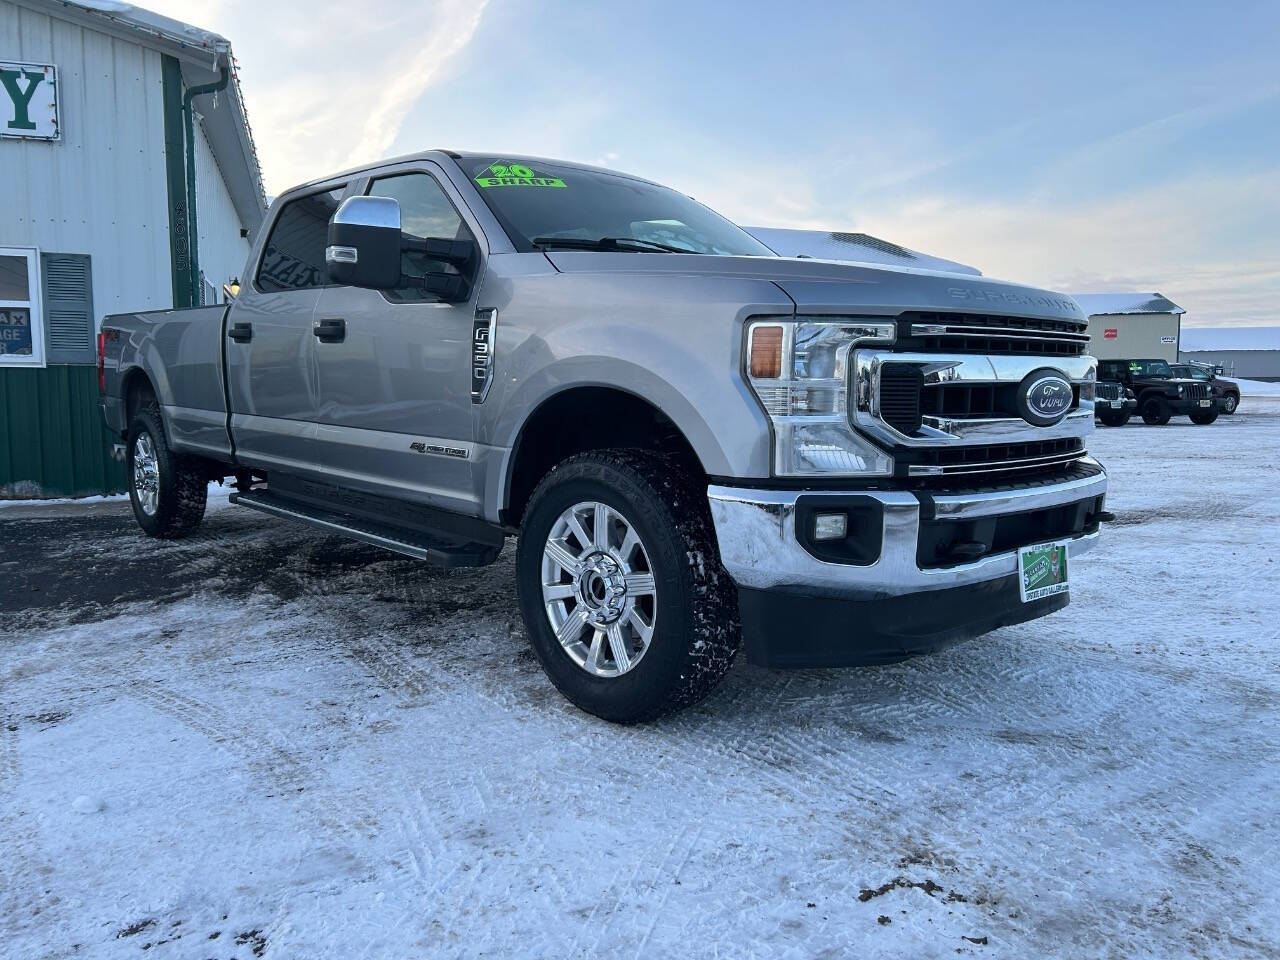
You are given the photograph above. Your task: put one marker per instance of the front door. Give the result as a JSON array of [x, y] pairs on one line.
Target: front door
[[394, 415], [271, 364]]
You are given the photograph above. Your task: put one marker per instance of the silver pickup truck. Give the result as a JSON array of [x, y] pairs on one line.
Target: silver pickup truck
[[701, 445]]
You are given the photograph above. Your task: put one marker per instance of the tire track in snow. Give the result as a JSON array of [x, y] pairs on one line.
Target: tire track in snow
[[25, 901]]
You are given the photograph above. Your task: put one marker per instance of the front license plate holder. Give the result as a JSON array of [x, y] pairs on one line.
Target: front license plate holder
[[1042, 570], [1206, 403]]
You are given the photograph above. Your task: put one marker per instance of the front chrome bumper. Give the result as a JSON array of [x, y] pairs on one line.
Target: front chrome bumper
[[759, 547]]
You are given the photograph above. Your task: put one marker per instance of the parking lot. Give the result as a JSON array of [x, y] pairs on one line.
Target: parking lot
[[263, 741]]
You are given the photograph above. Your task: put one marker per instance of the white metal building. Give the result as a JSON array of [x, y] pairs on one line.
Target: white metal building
[[1128, 326], [1252, 353], [130, 183]]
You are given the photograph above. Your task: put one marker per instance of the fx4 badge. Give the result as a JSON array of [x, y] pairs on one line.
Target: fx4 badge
[[482, 331]]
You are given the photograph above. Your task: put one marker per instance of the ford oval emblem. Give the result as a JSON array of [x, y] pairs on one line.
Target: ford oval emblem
[[1045, 397]]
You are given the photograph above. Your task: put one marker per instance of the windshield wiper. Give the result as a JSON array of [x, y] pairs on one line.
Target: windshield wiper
[[615, 244]]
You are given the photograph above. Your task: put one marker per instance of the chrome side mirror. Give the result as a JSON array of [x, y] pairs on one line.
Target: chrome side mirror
[[364, 243]]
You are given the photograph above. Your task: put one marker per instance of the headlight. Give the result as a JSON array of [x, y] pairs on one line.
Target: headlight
[[799, 370]]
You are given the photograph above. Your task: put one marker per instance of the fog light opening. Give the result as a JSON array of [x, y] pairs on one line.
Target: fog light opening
[[830, 526]]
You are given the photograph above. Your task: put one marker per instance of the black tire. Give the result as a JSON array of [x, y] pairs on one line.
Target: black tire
[[182, 487], [696, 632], [1114, 418], [1230, 403], [1204, 418], [1156, 412]]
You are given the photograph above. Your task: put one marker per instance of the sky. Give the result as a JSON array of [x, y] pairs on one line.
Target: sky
[[1080, 147]]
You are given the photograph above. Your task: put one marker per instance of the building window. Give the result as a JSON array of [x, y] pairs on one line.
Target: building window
[[21, 320]]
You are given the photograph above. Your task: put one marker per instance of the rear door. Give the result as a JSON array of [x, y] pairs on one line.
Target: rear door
[[395, 411], [271, 361]]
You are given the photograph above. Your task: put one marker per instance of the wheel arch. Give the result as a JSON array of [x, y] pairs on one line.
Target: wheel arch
[[551, 433]]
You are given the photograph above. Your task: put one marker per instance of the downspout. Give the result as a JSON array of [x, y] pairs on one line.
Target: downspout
[[193, 243]]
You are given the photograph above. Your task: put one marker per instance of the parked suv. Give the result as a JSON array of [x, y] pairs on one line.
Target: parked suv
[[701, 445], [1159, 394], [1114, 403], [1226, 392]]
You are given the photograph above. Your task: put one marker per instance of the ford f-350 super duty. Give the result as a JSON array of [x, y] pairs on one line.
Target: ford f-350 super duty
[[701, 445]]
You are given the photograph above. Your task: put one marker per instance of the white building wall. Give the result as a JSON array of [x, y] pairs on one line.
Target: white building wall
[[1138, 336], [99, 190], [1247, 364], [222, 250]]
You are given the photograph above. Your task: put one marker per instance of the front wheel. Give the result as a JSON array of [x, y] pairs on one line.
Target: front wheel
[[626, 604], [1203, 418], [1229, 403], [1156, 412], [168, 492], [1114, 418]]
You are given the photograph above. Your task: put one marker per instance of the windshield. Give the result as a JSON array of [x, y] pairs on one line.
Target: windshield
[[1151, 368], [539, 203]]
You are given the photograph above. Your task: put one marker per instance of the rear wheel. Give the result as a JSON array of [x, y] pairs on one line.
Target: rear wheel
[[625, 602], [1156, 412], [1203, 418], [168, 491], [1229, 403]]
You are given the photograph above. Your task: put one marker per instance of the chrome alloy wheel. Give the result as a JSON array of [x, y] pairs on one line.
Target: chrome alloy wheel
[[146, 473], [598, 589]]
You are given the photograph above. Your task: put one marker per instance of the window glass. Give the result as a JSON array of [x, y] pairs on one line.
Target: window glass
[[294, 258], [536, 201], [1151, 368], [425, 212], [13, 278], [21, 341]]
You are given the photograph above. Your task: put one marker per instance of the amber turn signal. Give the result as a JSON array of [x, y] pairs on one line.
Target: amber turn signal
[[766, 353]]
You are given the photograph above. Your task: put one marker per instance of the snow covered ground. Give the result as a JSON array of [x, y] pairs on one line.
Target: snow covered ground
[[267, 742]]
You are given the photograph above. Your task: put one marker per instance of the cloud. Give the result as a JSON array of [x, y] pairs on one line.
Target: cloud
[[1208, 242], [325, 89]]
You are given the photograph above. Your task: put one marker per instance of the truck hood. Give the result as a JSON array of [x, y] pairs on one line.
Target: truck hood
[[832, 284]]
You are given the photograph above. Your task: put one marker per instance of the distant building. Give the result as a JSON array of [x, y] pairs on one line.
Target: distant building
[[1252, 353], [854, 247], [130, 183], [1129, 326]]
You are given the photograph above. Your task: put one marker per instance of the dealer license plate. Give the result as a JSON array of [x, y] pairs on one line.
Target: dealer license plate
[[1117, 404], [1042, 570], [1205, 403]]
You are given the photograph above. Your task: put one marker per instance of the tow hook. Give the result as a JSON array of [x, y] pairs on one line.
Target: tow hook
[[1104, 516]]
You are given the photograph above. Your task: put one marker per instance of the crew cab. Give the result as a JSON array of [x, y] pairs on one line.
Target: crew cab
[[1160, 393], [700, 445]]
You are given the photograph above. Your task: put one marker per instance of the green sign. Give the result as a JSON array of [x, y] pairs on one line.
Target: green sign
[[1042, 571], [516, 175]]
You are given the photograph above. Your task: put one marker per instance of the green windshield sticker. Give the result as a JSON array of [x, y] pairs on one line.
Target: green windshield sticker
[[515, 175]]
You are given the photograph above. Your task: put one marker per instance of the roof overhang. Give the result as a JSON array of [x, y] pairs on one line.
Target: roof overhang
[[202, 55]]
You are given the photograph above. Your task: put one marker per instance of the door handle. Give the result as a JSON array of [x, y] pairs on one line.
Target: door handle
[[241, 332], [330, 331]]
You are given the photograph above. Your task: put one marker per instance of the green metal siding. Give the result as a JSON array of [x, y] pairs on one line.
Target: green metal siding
[[53, 442]]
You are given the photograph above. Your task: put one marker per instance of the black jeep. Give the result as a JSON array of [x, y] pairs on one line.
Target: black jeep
[[1161, 395], [1113, 403], [1227, 392]]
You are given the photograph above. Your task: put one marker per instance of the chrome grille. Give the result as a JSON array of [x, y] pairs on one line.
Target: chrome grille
[[963, 415], [990, 334]]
